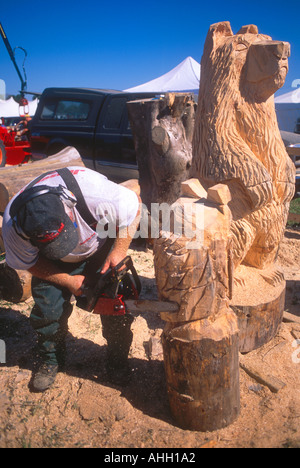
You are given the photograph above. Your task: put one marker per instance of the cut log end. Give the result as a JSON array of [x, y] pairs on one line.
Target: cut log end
[[15, 284]]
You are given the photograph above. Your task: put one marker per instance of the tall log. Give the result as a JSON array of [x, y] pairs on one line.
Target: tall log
[[162, 130]]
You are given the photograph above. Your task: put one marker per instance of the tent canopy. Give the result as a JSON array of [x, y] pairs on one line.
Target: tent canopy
[[10, 108], [288, 110], [288, 98], [184, 77]]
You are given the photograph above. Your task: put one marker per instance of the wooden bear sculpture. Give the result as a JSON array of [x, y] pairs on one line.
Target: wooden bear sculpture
[[237, 140]]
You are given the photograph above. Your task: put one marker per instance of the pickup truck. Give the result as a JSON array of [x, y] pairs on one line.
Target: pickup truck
[[93, 121]]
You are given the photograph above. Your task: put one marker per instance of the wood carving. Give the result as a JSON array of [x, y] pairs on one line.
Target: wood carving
[[229, 291], [200, 340], [237, 141]]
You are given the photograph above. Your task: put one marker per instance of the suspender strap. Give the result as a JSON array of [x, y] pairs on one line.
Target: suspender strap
[[73, 186]]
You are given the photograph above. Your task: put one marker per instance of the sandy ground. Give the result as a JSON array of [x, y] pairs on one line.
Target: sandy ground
[[83, 410]]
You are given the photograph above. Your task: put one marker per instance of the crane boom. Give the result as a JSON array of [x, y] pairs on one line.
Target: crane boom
[[12, 56]]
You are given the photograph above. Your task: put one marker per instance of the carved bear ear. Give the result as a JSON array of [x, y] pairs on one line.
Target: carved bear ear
[[250, 29], [220, 29], [216, 34]]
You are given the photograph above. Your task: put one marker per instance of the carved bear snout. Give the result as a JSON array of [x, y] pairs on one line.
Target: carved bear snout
[[265, 59]]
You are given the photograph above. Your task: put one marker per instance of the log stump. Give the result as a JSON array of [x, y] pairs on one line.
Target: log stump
[[202, 371], [13, 178], [258, 301]]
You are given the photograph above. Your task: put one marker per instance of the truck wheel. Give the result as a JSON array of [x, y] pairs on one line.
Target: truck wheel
[[2, 154]]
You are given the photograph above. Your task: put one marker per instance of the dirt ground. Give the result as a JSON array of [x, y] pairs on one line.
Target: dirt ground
[[83, 410]]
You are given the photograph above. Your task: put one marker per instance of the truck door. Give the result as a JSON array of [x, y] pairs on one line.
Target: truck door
[[112, 157]]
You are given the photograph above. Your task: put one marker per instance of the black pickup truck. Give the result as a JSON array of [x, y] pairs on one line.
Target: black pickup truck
[[93, 121]]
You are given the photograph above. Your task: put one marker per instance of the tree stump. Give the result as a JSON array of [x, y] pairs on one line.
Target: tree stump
[[162, 130], [258, 300], [202, 371]]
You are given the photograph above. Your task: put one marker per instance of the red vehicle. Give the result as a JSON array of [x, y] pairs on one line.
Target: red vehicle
[[13, 150]]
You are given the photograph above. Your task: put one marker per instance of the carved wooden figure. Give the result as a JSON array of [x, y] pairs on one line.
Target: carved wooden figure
[[237, 142], [220, 269]]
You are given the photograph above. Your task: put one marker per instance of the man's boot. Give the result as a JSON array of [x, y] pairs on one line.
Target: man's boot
[[44, 377], [116, 330], [52, 352]]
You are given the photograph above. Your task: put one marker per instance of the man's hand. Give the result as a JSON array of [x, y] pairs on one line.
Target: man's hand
[[75, 284], [122, 243], [113, 259]]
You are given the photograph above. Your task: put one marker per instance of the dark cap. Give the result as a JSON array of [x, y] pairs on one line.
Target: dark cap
[[44, 220]]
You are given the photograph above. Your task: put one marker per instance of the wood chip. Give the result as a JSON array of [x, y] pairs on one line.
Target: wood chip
[[269, 381], [287, 317]]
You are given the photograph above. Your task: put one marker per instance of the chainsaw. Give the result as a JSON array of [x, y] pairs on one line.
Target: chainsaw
[[111, 290]]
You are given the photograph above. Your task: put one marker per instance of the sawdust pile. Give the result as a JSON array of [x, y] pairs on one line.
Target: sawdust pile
[[83, 410]]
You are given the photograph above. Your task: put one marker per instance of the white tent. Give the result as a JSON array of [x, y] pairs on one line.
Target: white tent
[[288, 110], [10, 108], [184, 77]]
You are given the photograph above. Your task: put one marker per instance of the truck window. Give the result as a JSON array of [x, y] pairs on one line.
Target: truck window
[[114, 113], [65, 110]]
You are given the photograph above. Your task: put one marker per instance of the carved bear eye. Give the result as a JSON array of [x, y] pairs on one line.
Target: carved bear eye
[[241, 46]]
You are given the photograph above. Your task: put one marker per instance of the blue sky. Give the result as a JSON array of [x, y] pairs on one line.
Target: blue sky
[[120, 44]]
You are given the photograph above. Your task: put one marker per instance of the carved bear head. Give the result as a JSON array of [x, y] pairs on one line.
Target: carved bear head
[[254, 61]]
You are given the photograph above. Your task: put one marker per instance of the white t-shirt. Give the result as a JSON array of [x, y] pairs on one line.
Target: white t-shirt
[[108, 202]]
